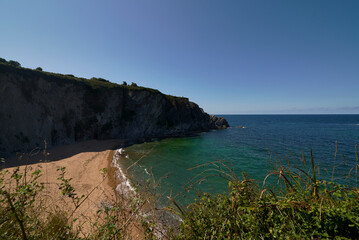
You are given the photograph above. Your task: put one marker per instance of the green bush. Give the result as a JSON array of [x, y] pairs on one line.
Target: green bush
[[14, 63], [19, 213]]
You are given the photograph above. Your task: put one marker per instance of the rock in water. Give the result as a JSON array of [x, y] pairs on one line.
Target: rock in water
[[218, 122]]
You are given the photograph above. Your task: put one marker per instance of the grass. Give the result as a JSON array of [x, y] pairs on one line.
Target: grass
[[299, 206], [92, 84]]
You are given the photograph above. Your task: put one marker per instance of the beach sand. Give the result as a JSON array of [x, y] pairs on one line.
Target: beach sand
[[83, 162]]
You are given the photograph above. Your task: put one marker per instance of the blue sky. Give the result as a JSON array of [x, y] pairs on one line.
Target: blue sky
[[237, 56]]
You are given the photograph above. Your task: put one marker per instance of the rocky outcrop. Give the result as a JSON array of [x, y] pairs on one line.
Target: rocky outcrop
[[62, 109], [218, 122]]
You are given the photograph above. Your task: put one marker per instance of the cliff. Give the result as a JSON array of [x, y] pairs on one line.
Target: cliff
[[62, 109]]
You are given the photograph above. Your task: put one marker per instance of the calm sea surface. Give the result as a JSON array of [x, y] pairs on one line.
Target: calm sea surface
[[285, 136]]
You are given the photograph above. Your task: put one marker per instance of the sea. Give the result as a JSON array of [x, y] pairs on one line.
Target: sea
[[183, 168]]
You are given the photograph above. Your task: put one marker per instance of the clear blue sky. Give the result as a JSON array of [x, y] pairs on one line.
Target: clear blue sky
[[237, 56]]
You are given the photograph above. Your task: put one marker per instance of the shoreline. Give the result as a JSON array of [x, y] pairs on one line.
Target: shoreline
[[116, 143], [77, 157]]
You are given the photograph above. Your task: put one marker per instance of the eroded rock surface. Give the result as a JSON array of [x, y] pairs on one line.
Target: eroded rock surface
[[61, 109]]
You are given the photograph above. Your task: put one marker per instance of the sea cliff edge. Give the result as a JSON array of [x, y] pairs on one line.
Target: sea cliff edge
[[64, 109]]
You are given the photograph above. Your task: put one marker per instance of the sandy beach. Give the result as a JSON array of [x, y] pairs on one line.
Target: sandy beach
[[83, 162]]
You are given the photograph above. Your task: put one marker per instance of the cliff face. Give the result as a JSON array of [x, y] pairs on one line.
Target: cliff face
[[37, 106]]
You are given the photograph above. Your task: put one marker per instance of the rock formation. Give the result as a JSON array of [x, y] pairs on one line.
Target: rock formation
[[62, 109]]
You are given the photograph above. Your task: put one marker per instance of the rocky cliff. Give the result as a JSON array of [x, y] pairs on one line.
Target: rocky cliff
[[61, 109]]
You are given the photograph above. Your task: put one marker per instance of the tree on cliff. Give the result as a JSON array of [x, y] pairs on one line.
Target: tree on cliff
[[14, 63]]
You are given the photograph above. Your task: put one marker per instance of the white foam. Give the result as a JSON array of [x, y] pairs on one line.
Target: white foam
[[125, 185], [126, 188], [120, 151]]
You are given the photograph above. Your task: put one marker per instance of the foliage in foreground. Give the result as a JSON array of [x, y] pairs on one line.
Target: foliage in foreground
[[21, 216], [303, 207], [299, 206], [27, 212]]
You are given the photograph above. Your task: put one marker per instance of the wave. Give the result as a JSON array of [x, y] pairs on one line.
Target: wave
[[163, 217], [125, 185]]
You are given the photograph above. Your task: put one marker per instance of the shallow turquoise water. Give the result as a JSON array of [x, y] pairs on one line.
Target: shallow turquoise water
[[285, 136]]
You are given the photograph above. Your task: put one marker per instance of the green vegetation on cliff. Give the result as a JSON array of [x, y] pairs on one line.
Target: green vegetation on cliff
[[95, 83], [66, 109]]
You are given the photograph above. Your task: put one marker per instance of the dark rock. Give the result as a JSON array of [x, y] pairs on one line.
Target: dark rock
[[37, 106], [218, 122]]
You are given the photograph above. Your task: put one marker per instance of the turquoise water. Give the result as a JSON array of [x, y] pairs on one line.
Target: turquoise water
[[286, 136]]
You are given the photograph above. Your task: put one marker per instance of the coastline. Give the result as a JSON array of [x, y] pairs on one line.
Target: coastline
[[83, 161]]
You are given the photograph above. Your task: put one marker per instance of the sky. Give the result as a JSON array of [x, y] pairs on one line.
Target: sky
[[230, 57]]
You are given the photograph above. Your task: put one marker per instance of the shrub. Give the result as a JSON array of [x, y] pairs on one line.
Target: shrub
[[20, 215], [38, 69], [100, 79], [14, 63]]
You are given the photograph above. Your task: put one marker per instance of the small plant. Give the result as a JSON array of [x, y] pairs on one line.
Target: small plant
[[67, 189], [17, 197], [21, 213]]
